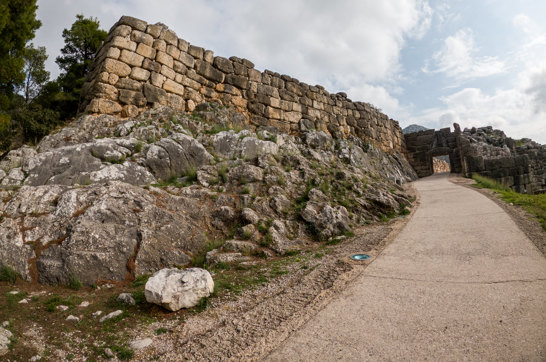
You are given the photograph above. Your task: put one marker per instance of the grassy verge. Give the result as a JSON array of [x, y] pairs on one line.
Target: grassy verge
[[534, 204]]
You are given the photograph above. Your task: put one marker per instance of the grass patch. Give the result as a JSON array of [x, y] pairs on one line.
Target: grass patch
[[160, 331], [222, 173], [74, 283], [7, 274], [140, 280], [52, 303], [534, 204], [267, 239]]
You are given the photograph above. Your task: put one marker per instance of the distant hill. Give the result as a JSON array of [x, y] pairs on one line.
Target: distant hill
[[414, 128]]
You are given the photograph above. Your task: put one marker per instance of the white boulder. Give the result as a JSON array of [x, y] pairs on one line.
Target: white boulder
[[174, 289], [5, 336]]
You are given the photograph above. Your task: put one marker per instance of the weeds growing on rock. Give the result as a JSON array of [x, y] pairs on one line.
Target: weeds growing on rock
[[7, 274], [74, 283]]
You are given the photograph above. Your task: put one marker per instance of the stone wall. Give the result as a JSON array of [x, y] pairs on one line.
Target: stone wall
[[483, 150], [424, 145], [142, 65]]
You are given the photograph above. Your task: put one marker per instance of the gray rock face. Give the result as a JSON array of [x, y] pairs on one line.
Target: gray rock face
[[85, 207], [175, 156], [246, 173], [319, 140], [92, 233], [249, 216], [328, 221], [175, 289], [243, 144]]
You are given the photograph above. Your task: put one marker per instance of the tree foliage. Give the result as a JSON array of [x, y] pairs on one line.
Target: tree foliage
[[17, 26], [35, 73], [82, 41], [30, 105]]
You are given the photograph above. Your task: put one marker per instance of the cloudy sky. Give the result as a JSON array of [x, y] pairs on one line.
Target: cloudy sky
[[475, 62]]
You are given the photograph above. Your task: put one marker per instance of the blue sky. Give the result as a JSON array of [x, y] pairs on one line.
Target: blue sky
[[478, 63]]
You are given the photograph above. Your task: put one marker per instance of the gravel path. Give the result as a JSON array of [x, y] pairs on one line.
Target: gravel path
[[460, 282]]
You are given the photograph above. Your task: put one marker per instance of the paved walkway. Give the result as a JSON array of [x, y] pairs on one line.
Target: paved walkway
[[460, 282]]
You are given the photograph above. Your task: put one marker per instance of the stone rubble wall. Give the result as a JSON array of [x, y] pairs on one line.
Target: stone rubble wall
[[142, 65], [484, 151]]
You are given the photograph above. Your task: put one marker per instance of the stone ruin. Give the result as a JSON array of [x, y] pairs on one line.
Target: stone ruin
[[485, 151], [142, 65]]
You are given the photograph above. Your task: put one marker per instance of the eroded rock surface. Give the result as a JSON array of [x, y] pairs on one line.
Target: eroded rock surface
[[108, 199]]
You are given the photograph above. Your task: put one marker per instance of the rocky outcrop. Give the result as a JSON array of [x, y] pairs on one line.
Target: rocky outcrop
[[175, 289], [143, 65], [127, 197]]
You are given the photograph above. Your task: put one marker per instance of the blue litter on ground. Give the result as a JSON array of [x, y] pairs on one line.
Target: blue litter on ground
[[360, 256]]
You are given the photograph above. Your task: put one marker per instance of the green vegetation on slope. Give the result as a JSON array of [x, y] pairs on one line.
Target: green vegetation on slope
[[535, 204]]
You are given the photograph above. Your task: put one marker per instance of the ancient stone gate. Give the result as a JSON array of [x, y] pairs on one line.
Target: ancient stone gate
[[485, 151], [423, 146]]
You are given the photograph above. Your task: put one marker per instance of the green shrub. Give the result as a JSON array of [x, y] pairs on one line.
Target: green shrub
[[140, 280], [74, 283], [7, 274], [222, 173]]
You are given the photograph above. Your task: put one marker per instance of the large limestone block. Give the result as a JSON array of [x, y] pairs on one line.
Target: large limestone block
[[187, 59], [208, 71], [169, 36], [175, 289], [164, 58], [123, 43], [133, 22], [140, 37], [146, 51], [103, 106], [131, 97], [196, 52], [173, 87], [131, 58], [128, 83], [121, 30], [116, 67], [102, 90], [140, 74], [154, 30], [154, 94]]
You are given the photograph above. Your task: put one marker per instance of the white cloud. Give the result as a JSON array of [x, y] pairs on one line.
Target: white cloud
[[344, 42], [514, 110], [457, 59], [376, 95]]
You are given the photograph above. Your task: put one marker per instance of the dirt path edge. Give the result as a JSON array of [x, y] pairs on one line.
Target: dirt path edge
[[524, 220]]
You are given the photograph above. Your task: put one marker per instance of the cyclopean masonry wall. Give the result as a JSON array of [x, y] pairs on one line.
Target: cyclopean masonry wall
[[141, 65], [488, 152]]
